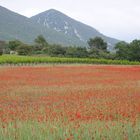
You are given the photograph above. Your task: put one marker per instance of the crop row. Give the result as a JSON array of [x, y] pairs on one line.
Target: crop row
[[13, 59]]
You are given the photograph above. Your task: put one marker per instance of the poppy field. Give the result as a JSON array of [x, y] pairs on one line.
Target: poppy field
[[70, 102]]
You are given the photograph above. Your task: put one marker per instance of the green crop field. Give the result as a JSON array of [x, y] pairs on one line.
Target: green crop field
[[15, 59]]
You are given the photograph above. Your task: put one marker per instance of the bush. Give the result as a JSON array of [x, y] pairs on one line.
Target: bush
[[3, 46], [24, 49], [56, 50], [13, 45], [79, 52], [1, 51]]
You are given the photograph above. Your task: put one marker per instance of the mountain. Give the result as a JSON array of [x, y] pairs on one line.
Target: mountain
[[55, 26], [60, 22], [15, 26]]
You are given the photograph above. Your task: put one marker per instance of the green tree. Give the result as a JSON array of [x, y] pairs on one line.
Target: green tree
[[2, 47], [24, 49], [122, 50], [1, 51], [97, 43], [135, 50], [14, 44], [40, 43], [76, 52], [56, 50]]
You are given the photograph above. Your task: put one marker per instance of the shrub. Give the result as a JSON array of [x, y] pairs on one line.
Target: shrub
[[1, 51], [76, 52], [13, 45], [24, 49], [56, 50]]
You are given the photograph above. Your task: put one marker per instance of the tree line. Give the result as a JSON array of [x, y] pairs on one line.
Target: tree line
[[97, 48]]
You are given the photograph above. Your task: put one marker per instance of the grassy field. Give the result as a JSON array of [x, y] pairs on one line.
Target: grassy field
[[20, 60], [70, 103]]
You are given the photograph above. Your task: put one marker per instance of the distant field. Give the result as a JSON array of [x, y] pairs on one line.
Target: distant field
[[70, 103], [20, 60]]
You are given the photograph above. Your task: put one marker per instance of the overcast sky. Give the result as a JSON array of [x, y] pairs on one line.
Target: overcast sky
[[116, 18]]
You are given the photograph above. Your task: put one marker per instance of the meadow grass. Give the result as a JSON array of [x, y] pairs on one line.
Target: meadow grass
[[57, 130]]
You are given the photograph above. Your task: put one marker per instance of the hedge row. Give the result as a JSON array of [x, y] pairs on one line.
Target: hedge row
[[14, 59]]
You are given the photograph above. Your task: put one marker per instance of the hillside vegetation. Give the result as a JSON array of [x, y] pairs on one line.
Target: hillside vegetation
[[97, 52]]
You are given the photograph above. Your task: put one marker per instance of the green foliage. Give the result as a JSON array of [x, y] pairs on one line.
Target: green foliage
[[1, 51], [40, 43], [95, 53], [134, 50], [2, 46], [14, 44], [76, 52], [24, 49], [122, 50], [56, 50], [98, 48], [128, 51], [14, 59], [97, 43], [41, 40]]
